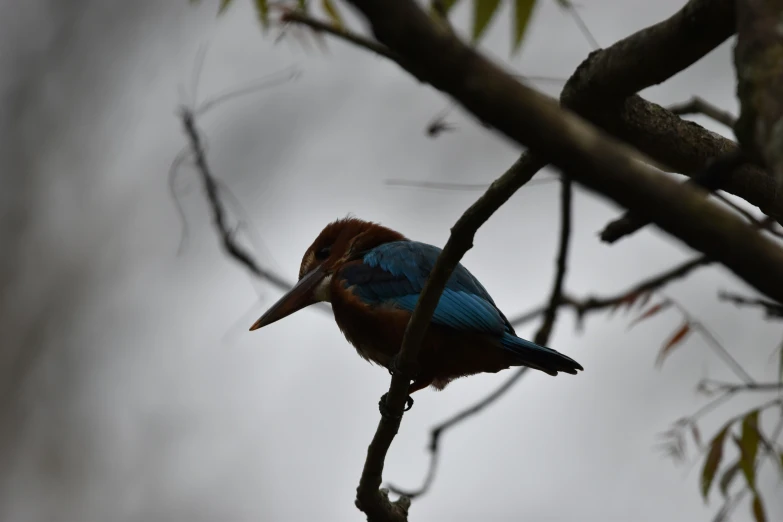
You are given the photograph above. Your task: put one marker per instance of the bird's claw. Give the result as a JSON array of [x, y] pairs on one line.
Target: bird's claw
[[386, 412]]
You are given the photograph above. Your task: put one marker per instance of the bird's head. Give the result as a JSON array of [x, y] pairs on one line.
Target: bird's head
[[340, 242]]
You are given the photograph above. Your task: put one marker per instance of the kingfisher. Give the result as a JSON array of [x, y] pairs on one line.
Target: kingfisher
[[373, 276]]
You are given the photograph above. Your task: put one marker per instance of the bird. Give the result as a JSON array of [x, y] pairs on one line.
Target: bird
[[373, 276]]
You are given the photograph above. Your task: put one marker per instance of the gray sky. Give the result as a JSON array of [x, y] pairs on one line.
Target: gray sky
[[143, 397]]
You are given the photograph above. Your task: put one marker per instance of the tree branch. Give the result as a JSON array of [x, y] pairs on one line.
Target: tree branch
[[772, 309], [638, 291], [373, 502], [685, 147], [231, 246], [590, 157], [452, 421], [759, 128], [710, 178], [298, 17], [651, 55], [542, 336], [711, 386], [581, 307]]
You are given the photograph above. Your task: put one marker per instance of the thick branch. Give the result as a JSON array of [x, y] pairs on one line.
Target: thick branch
[[652, 55], [688, 148], [637, 62], [710, 178], [601, 163], [368, 496], [757, 58]]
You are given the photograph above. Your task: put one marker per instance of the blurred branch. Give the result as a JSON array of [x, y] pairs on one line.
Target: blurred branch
[[771, 308], [298, 17], [571, 8], [710, 386], [697, 105], [369, 498], [714, 343], [446, 185], [227, 235]]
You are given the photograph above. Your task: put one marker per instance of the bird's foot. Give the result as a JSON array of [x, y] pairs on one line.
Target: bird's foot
[[386, 412]]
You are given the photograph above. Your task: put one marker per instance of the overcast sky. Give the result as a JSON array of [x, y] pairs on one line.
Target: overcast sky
[[134, 391]]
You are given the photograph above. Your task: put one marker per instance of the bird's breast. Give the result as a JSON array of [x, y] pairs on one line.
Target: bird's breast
[[375, 331]]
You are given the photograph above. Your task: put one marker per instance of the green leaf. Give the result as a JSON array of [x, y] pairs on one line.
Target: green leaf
[[483, 11], [749, 446], [223, 6], [758, 509], [262, 9], [712, 462], [522, 11], [728, 476], [332, 13]]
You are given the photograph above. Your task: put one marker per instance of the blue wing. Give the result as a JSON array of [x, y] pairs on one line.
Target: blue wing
[[394, 274]]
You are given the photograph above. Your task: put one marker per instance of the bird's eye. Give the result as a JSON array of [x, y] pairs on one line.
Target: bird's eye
[[323, 253]]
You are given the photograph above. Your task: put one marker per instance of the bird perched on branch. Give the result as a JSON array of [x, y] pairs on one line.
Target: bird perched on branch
[[373, 277]]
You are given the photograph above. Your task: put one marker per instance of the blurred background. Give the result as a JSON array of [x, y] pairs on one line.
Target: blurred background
[[131, 389]]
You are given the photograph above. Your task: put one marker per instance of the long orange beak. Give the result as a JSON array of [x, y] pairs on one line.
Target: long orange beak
[[300, 296]]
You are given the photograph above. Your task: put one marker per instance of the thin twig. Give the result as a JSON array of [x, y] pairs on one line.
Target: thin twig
[[569, 6], [712, 386], [283, 76], [298, 17], [697, 105], [374, 503], [771, 308], [595, 303], [550, 315], [232, 247], [714, 343], [445, 185]]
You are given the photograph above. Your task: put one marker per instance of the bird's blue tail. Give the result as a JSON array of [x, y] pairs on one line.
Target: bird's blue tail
[[539, 357]]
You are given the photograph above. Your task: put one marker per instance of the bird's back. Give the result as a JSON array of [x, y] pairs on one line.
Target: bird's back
[[382, 289]]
